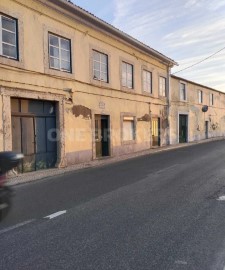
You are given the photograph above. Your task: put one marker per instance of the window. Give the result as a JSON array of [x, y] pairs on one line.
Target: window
[[127, 75], [8, 37], [162, 86], [59, 53], [183, 94], [200, 96], [147, 81], [211, 99], [128, 128], [100, 66]]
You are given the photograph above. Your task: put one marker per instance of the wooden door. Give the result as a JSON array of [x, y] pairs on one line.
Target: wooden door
[[155, 132], [102, 135], [183, 128], [34, 133]]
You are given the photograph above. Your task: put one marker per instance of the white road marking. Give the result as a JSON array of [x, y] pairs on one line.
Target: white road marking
[[221, 198], [181, 262], [56, 214], [16, 226], [3, 206], [167, 168]]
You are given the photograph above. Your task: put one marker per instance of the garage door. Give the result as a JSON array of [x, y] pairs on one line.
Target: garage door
[[34, 133]]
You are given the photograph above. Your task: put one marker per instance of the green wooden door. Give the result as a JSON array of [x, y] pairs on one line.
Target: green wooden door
[[183, 128]]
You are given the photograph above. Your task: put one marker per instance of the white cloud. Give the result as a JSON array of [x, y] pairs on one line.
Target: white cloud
[[187, 31], [194, 3]]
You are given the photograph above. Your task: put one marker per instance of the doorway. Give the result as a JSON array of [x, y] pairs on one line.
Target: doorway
[[155, 131], [102, 135], [206, 129], [34, 133], [183, 128]]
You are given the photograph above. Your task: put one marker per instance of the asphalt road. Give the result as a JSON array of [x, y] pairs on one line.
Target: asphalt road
[[159, 211]]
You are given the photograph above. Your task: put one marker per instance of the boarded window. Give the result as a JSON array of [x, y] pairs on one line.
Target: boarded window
[[128, 129]]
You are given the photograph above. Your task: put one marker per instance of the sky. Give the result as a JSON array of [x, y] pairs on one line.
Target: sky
[[188, 31]]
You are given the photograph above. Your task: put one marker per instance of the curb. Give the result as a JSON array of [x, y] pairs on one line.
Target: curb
[[42, 174]]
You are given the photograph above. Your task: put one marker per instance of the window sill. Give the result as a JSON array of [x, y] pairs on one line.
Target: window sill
[[99, 83], [4, 60], [59, 73], [127, 89], [128, 142], [9, 58], [147, 94], [185, 101]]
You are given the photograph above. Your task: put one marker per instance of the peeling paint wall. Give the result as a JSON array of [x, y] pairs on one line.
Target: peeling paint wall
[[196, 117], [78, 96], [80, 110]]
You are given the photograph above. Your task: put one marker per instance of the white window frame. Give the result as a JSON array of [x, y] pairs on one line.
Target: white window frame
[[132, 75], [101, 63], [16, 37], [211, 99], [162, 86], [60, 56], [185, 91], [200, 96], [147, 83]]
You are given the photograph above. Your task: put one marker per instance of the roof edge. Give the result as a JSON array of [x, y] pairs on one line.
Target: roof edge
[[91, 19], [198, 84]]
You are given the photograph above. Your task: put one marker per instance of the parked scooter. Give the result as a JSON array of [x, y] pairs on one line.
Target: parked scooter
[[8, 161]]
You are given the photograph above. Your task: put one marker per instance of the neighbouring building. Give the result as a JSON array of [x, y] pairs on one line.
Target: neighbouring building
[[197, 112], [73, 88]]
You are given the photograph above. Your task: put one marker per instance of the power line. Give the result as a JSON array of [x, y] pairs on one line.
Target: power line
[[199, 61]]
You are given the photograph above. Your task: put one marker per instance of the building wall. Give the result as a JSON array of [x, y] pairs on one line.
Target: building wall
[[78, 96], [196, 117]]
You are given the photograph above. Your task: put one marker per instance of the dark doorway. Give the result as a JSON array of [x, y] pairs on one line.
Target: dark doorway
[[102, 135], [34, 133], [155, 131], [206, 129], [183, 128]]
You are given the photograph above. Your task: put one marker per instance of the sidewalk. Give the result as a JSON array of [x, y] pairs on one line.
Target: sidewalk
[[37, 175]]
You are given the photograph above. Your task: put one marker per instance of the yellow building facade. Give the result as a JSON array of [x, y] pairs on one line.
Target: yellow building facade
[[73, 88]]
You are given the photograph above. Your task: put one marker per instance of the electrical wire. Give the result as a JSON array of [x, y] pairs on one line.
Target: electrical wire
[[200, 61]]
